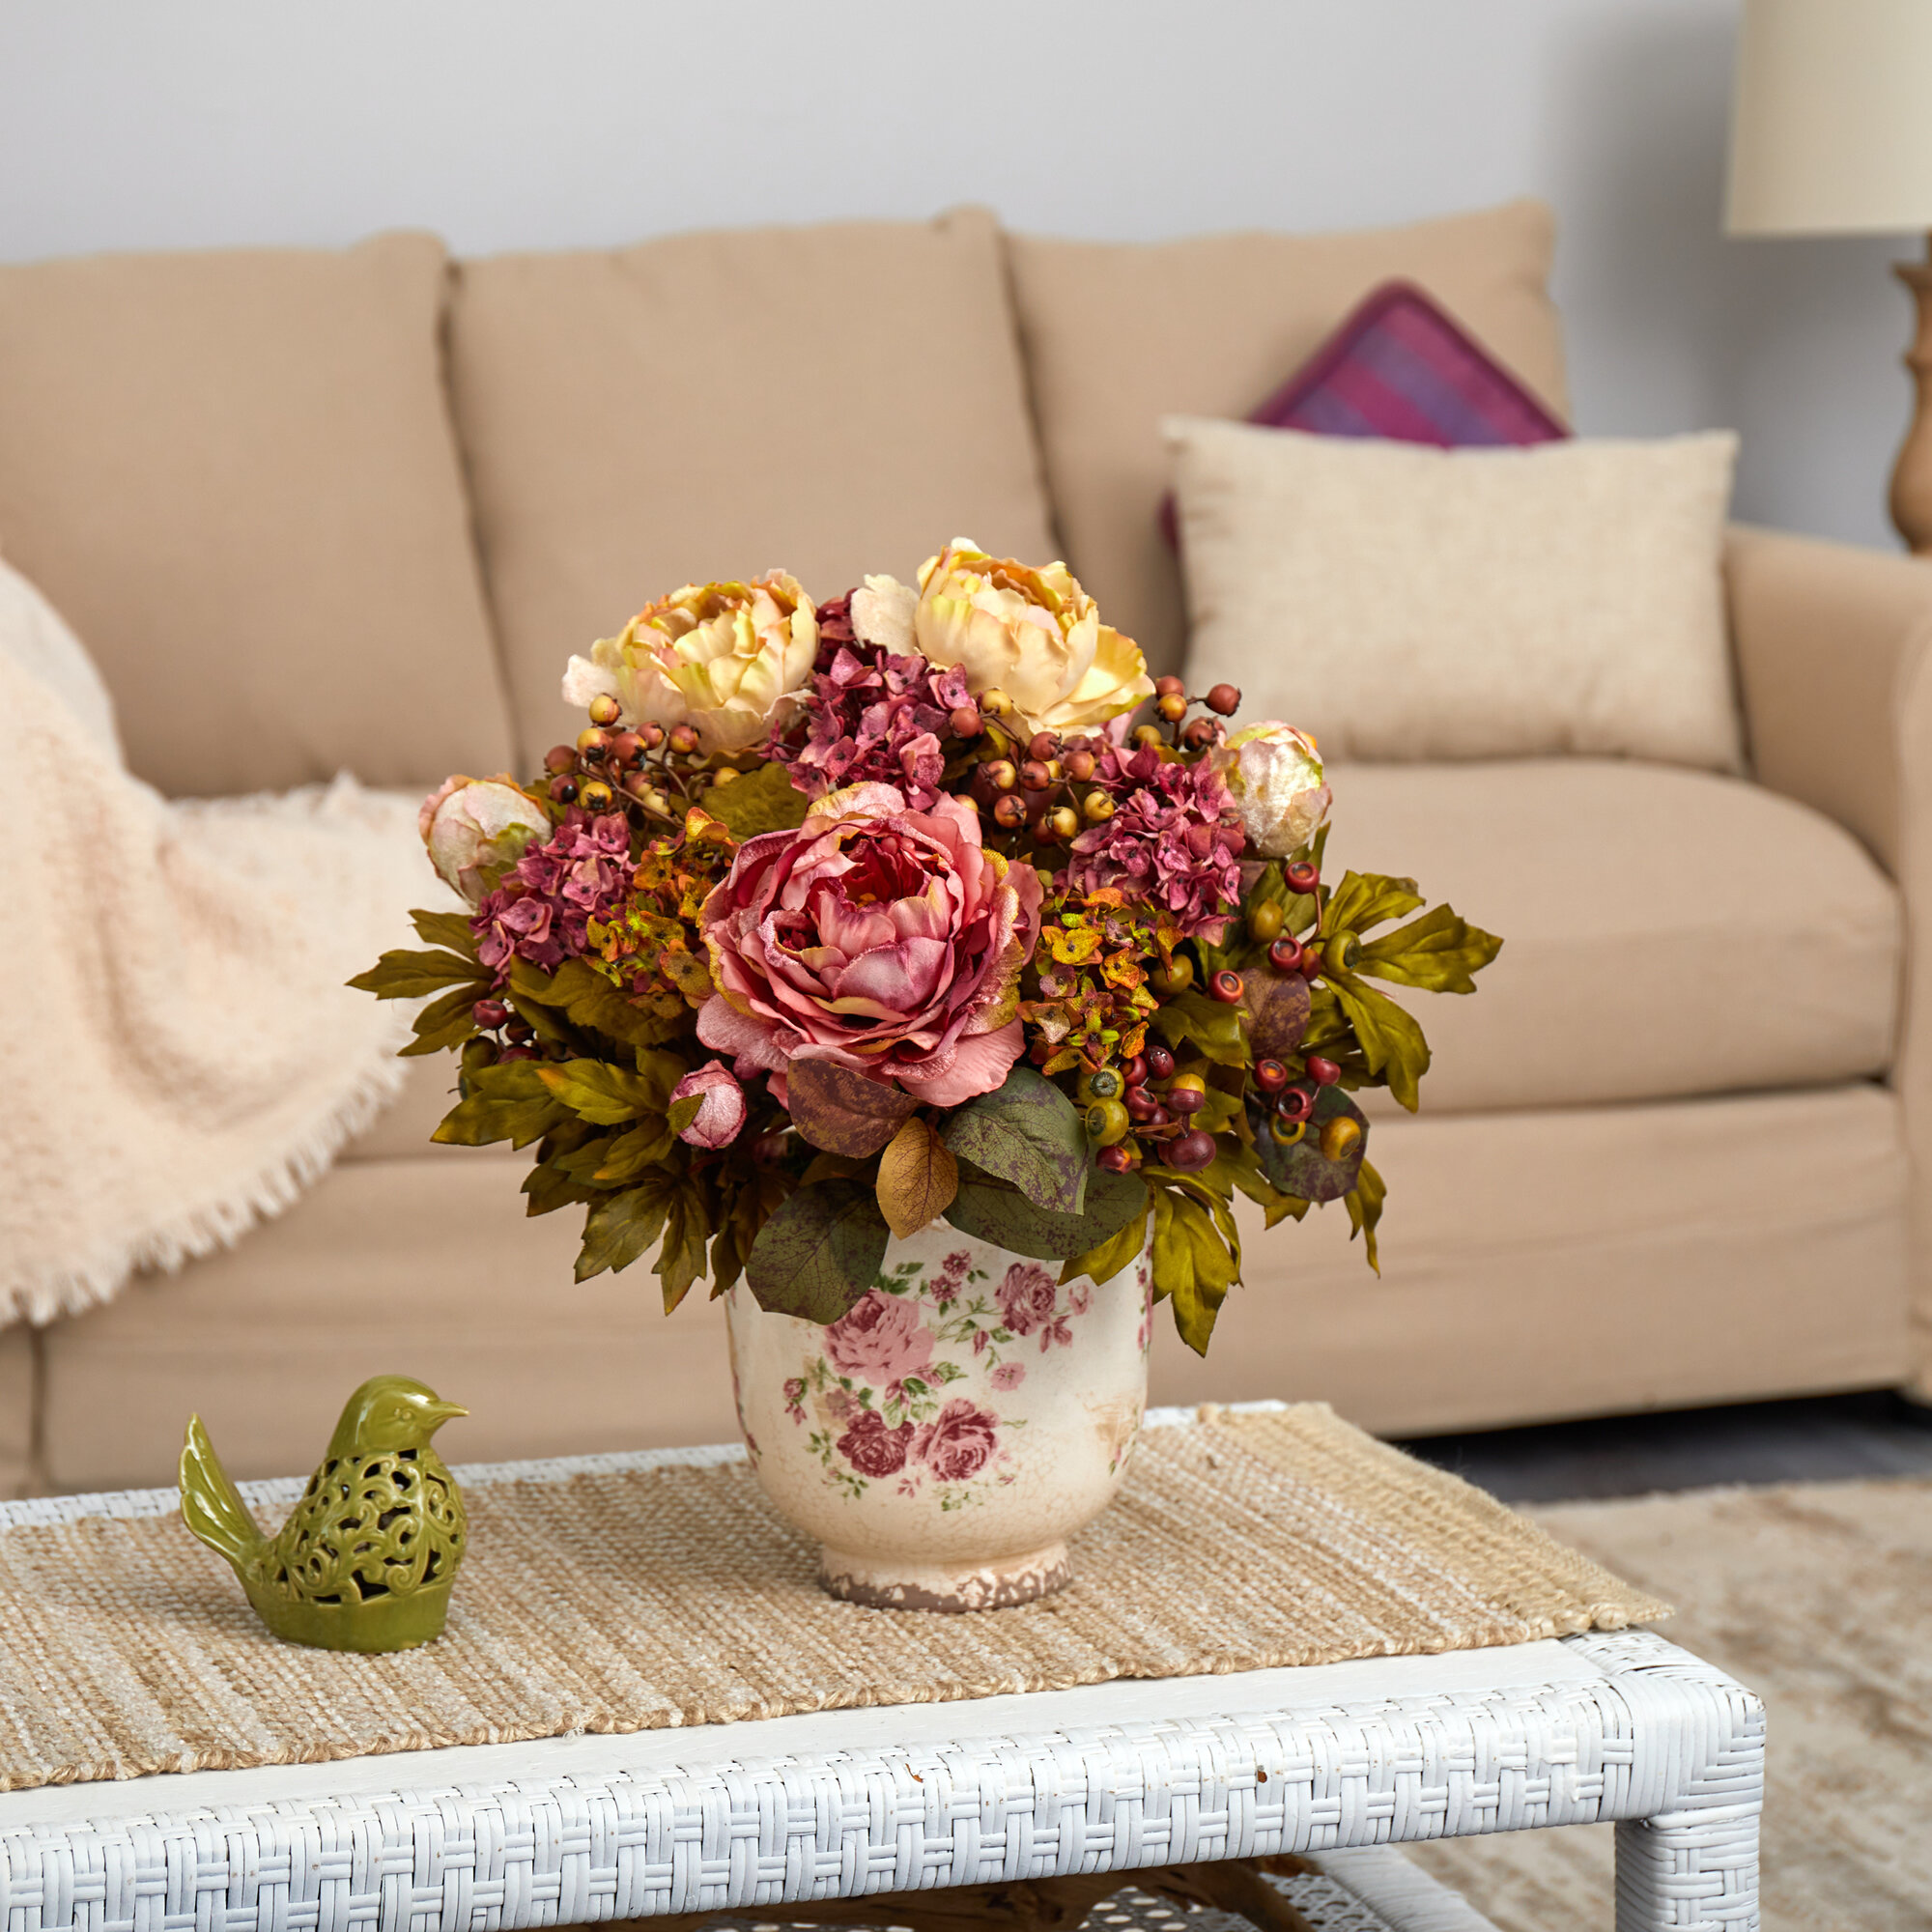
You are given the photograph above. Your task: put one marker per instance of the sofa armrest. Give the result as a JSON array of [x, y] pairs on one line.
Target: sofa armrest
[[1830, 643], [1834, 664]]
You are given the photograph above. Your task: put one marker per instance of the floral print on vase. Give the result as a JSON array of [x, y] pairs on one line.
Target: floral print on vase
[[878, 1392]]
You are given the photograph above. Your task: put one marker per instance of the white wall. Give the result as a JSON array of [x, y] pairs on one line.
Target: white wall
[[549, 122]]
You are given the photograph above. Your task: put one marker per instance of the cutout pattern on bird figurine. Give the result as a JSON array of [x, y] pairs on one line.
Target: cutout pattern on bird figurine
[[366, 1558]]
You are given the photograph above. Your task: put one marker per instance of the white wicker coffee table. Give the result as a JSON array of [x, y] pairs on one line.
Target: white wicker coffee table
[[1114, 1776]]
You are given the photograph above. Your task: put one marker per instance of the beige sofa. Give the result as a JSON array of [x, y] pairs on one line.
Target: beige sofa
[[322, 509]]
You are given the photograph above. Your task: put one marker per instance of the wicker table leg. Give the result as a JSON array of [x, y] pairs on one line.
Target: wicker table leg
[[1695, 1871]]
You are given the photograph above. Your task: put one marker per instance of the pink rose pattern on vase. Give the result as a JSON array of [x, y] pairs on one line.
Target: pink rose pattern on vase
[[875, 1394]]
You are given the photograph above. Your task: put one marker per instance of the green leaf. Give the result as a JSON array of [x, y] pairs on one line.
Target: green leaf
[[1027, 1131], [1120, 1250], [1367, 898], [992, 1209], [409, 976], [1391, 1041], [1192, 1264], [548, 1188], [589, 1001], [753, 1199], [761, 800], [1364, 1201], [1214, 1026], [445, 1022], [681, 1258], [819, 1252], [505, 1103], [841, 1111], [682, 1113], [618, 1160], [1243, 1170], [621, 1227], [1440, 953], [593, 1090], [445, 929]]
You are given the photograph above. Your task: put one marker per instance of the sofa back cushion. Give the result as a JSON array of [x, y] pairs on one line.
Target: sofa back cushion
[[832, 399], [234, 475], [1119, 335]]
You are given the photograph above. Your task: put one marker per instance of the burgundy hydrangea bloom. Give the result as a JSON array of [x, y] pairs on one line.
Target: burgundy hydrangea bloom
[[1167, 840], [541, 910], [869, 716]]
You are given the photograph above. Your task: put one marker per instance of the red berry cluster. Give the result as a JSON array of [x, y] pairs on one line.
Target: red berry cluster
[[1042, 790], [1149, 1099], [649, 773]]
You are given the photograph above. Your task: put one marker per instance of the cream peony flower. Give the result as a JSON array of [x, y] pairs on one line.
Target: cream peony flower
[[1034, 634], [1275, 775], [726, 659], [476, 829]]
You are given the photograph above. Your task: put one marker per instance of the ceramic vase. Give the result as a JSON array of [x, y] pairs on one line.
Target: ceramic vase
[[944, 1439]]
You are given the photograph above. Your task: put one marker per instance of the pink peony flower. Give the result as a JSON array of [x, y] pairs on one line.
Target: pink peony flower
[[722, 1111], [870, 715], [886, 939], [879, 1340], [958, 1442], [1174, 838], [1026, 1297], [544, 904], [874, 1449], [1008, 1375]]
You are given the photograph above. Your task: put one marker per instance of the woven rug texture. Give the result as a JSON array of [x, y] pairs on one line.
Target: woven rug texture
[[673, 1596], [1819, 1597]]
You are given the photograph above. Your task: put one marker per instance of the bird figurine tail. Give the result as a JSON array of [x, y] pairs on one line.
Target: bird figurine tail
[[212, 1506]]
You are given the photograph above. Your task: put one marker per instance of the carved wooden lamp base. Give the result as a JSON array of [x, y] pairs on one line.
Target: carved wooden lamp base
[[1049, 1904], [1911, 474]]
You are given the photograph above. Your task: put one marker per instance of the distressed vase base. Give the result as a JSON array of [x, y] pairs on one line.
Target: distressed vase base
[[893, 1584]]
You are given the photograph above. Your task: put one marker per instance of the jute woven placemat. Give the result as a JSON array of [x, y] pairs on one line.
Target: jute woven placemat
[[672, 1595]]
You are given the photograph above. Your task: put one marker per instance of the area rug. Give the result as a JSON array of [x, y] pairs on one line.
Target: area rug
[[629, 1593], [1819, 1597]]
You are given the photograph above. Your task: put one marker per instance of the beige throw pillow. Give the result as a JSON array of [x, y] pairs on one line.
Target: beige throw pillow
[[1409, 603], [1119, 335]]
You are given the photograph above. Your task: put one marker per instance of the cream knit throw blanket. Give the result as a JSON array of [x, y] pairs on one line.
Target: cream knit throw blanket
[[180, 1056]]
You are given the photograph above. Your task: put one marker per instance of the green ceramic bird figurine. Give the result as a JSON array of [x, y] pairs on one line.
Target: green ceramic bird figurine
[[366, 1558]]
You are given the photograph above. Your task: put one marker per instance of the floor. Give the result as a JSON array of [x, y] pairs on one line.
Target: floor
[[1826, 1439]]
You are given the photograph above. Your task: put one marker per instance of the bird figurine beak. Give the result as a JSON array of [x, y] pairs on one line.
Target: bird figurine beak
[[439, 1412]]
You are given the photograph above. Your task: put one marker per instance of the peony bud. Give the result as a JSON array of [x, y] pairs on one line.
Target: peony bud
[[476, 829], [1277, 779], [720, 1110]]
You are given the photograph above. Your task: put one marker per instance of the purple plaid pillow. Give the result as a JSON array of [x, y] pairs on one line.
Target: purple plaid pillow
[[1399, 367]]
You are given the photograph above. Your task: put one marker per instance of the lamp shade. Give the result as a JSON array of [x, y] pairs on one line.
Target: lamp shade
[[1831, 121]]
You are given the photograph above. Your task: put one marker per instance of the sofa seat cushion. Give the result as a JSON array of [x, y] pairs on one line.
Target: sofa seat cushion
[[832, 399], [1119, 334], [1666, 931], [234, 475], [1580, 1262]]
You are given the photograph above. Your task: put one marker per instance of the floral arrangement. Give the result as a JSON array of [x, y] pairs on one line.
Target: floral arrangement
[[841, 917]]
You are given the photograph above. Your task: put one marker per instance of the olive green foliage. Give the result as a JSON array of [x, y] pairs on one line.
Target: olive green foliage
[[802, 1203]]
